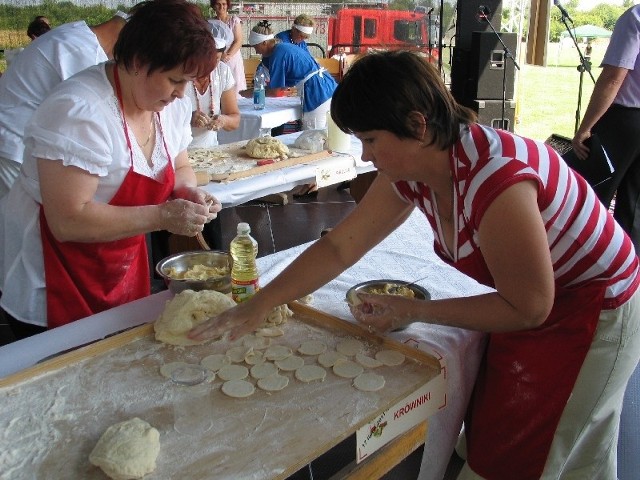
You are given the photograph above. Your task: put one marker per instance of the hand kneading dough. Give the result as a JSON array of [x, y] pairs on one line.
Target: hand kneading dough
[[127, 450], [187, 310], [266, 147]]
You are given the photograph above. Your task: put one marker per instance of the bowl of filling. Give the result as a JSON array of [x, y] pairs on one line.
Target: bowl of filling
[[387, 287], [197, 270]]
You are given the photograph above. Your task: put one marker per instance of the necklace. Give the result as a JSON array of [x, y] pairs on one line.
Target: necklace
[[146, 142], [197, 95]]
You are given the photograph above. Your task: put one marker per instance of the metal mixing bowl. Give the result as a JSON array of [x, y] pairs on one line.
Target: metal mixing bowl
[[184, 260], [419, 292]]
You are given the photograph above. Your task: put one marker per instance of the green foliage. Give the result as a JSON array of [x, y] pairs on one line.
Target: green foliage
[[602, 15]]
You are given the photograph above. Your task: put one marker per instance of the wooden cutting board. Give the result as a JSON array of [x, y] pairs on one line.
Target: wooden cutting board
[[248, 166], [54, 413]]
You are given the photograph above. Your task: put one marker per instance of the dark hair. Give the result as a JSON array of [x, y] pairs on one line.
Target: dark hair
[[163, 34], [228, 4], [263, 27], [37, 27], [380, 90]]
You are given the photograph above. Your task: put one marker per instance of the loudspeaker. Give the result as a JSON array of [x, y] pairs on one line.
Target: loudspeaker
[[468, 20], [490, 113], [489, 64], [460, 76]]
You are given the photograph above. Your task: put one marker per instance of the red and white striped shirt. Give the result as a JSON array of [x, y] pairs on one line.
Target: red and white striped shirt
[[586, 243]]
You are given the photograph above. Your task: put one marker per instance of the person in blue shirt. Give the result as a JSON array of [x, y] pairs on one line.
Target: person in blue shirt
[[290, 66], [300, 31]]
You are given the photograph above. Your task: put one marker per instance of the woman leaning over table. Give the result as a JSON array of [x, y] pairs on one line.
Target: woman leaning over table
[[564, 317], [299, 32], [106, 163], [233, 54]]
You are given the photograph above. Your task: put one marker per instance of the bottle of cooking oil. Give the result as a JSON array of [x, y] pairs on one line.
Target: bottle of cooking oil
[[244, 273]]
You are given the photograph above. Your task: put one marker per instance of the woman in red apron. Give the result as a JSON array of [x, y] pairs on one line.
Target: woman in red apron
[[108, 165], [564, 314]]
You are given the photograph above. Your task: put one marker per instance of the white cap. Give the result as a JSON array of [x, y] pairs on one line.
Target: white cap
[[303, 28], [255, 38]]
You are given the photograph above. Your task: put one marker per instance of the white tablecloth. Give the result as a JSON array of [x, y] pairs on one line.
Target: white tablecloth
[[277, 111], [407, 254], [276, 181]]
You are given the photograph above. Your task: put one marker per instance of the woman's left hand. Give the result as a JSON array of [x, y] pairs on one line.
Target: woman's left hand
[[383, 312], [202, 197]]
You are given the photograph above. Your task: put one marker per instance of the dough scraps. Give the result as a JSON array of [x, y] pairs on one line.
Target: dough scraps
[[263, 370], [187, 310], [367, 362], [347, 369], [215, 362], [350, 347], [273, 383], [269, 332], [257, 342], [266, 147], [278, 315], [391, 358], [369, 382], [312, 347], [310, 373], [127, 450], [290, 363], [254, 357], [237, 354], [238, 388], [233, 372], [330, 358]]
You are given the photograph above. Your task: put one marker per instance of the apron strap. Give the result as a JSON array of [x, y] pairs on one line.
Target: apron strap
[[300, 87]]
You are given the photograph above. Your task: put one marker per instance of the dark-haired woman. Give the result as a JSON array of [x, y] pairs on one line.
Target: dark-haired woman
[[105, 164], [564, 318]]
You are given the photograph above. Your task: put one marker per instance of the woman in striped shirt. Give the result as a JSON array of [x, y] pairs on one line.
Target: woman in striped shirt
[[564, 315]]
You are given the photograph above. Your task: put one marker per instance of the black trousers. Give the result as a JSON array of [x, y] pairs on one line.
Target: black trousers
[[619, 131]]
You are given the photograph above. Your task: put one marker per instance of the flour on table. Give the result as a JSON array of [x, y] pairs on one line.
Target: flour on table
[[127, 450], [167, 369], [238, 388], [347, 369], [273, 383], [369, 382], [391, 358], [187, 310], [310, 373]]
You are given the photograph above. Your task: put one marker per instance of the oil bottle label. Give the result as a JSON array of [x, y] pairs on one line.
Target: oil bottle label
[[243, 290]]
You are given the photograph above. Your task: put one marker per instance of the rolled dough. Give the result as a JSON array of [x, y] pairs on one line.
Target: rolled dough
[[330, 358], [367, 362], [233, 372], [347, 369], [238, 388], [273, 383], [369, 382], [310, 373], [263, 370], [215, 362], [391, 358], [312, 347], [290, 363]]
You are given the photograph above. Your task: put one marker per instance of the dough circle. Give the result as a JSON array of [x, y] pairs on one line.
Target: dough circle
[[127, 450], [233, 372], [238, 388], [347, 369], [350, 347], [290, 363], [215, 362], [255, 342], [391, 358], [263, 370], [312, 347], [368, 362], [310, 373], [167, 369], [273, 383], [254, 357], [237, 354], [369, 382], [277, 352], [330, 358]]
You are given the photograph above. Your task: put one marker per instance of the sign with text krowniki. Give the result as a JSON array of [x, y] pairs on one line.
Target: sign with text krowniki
[[337, 173], [403, 416]]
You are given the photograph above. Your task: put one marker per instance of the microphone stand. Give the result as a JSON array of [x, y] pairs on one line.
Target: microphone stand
[[507, 54], [585, 66]]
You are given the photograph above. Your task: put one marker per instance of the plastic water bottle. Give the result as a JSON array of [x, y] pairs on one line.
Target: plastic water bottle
[[244, 273], [259, 86]]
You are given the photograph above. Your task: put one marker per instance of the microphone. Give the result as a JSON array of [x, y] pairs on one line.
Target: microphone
[[482, 15], [430, 11], [562, 10]]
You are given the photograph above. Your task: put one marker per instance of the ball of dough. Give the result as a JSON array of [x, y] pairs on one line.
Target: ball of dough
[[266, 147], [187, 310], [127, 450]]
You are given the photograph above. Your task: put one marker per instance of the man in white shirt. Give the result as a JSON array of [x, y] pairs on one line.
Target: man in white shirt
[[47, 61]]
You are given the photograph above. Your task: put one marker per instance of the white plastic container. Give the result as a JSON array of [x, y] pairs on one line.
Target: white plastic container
[[337, 140]]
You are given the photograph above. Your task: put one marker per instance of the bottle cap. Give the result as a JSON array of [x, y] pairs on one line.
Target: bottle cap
[[243, 228]]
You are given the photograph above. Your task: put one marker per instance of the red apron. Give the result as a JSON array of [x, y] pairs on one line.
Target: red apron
[[525, 380], [86, 278]]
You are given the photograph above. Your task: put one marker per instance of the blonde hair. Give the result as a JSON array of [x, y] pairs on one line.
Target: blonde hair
[[304, 20]]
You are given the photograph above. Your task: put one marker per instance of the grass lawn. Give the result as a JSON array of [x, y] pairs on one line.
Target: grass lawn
[[547, 97]]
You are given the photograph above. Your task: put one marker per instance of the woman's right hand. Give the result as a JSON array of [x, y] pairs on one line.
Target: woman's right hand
[[244, 318], [199, 119], [183, 217]]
